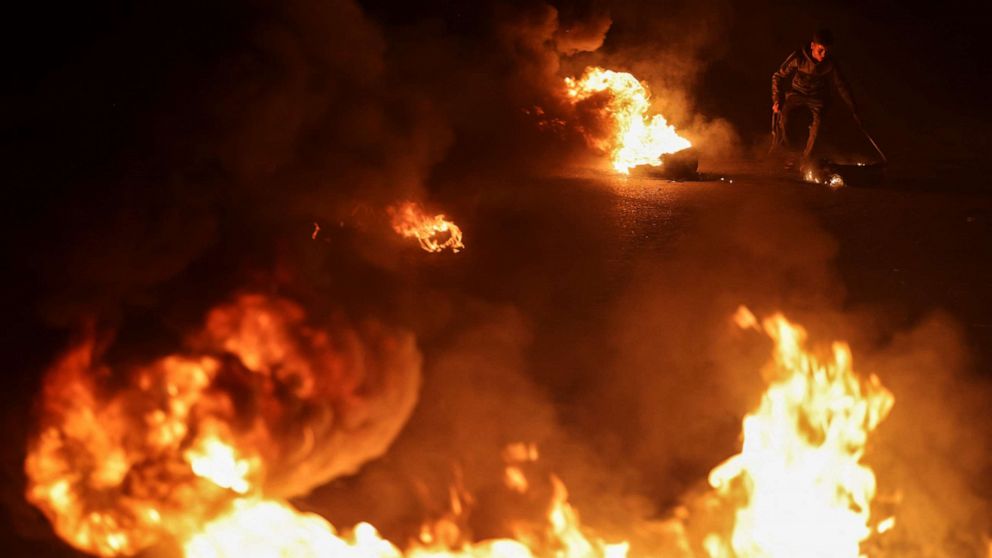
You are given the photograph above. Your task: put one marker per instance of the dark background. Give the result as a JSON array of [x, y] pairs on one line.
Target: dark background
[[135, 196]]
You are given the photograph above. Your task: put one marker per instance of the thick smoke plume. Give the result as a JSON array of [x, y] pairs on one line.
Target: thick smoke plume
[[182, 159], [115, 464]]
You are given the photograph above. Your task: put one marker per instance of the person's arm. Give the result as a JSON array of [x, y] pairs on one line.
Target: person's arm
[[843, 90], [783, 72]]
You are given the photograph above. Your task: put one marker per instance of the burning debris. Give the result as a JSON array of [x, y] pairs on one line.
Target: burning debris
[[434, 233], [637, 138], [798, 485], [262, 527], [258, 402], [835, 175], [817, 176], [204, 447]]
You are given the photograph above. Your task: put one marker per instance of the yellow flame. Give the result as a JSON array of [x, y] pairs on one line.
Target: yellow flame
[[833, 180], [639, 139], [219, 463], [799, 482], [268, 528], [118, 467], [263, 528], [434, 233]]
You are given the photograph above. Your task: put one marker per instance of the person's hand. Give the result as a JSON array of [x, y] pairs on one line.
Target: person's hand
[[775, 106]]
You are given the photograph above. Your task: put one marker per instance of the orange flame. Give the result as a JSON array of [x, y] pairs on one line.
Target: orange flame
[[126, 458], [267, 528], [638, 139], [799, 483], [433, 233]]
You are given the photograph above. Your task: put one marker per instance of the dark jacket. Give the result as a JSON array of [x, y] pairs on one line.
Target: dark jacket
[[810, 78]]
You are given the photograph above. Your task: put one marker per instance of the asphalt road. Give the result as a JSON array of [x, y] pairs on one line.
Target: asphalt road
[[904, 249]]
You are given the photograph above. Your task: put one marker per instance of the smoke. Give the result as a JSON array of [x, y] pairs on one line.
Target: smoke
[[162, 178], [670, 47], [681, 374], [114, 463], [933, 453], [669, 404]]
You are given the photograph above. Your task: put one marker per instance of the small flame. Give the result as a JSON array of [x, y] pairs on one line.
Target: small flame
[[799, 483], [833, 180], [433, 233], [638, 139], [515, 479]]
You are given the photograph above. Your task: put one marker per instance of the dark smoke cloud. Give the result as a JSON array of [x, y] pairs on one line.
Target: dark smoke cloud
[[670, 47], [177, 159], [183, 152], [934, 450], [304, 404], [680, 374], [683, 374]]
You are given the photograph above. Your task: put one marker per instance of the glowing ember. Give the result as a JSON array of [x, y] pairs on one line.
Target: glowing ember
[[833, 180], [798, 483], [434, 233], [638, 139], [886, 524], [515, 455]]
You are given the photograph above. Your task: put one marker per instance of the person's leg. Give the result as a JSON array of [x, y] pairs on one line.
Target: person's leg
[[787, 115], [815, 107]]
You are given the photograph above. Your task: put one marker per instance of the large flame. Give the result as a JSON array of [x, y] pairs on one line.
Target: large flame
[[263, 528], [799, 482], [638, 138], [434, 232], [205, 447], [129, 456]]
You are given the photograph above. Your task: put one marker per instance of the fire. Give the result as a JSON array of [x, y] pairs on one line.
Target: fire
[[817, 175], [258, 401], [433, 233], [638, 139], [203, 448], [267, 528], [799, 482], [218, 462]]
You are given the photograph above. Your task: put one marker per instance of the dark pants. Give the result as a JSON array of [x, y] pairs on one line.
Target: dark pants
[[794, 101]]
